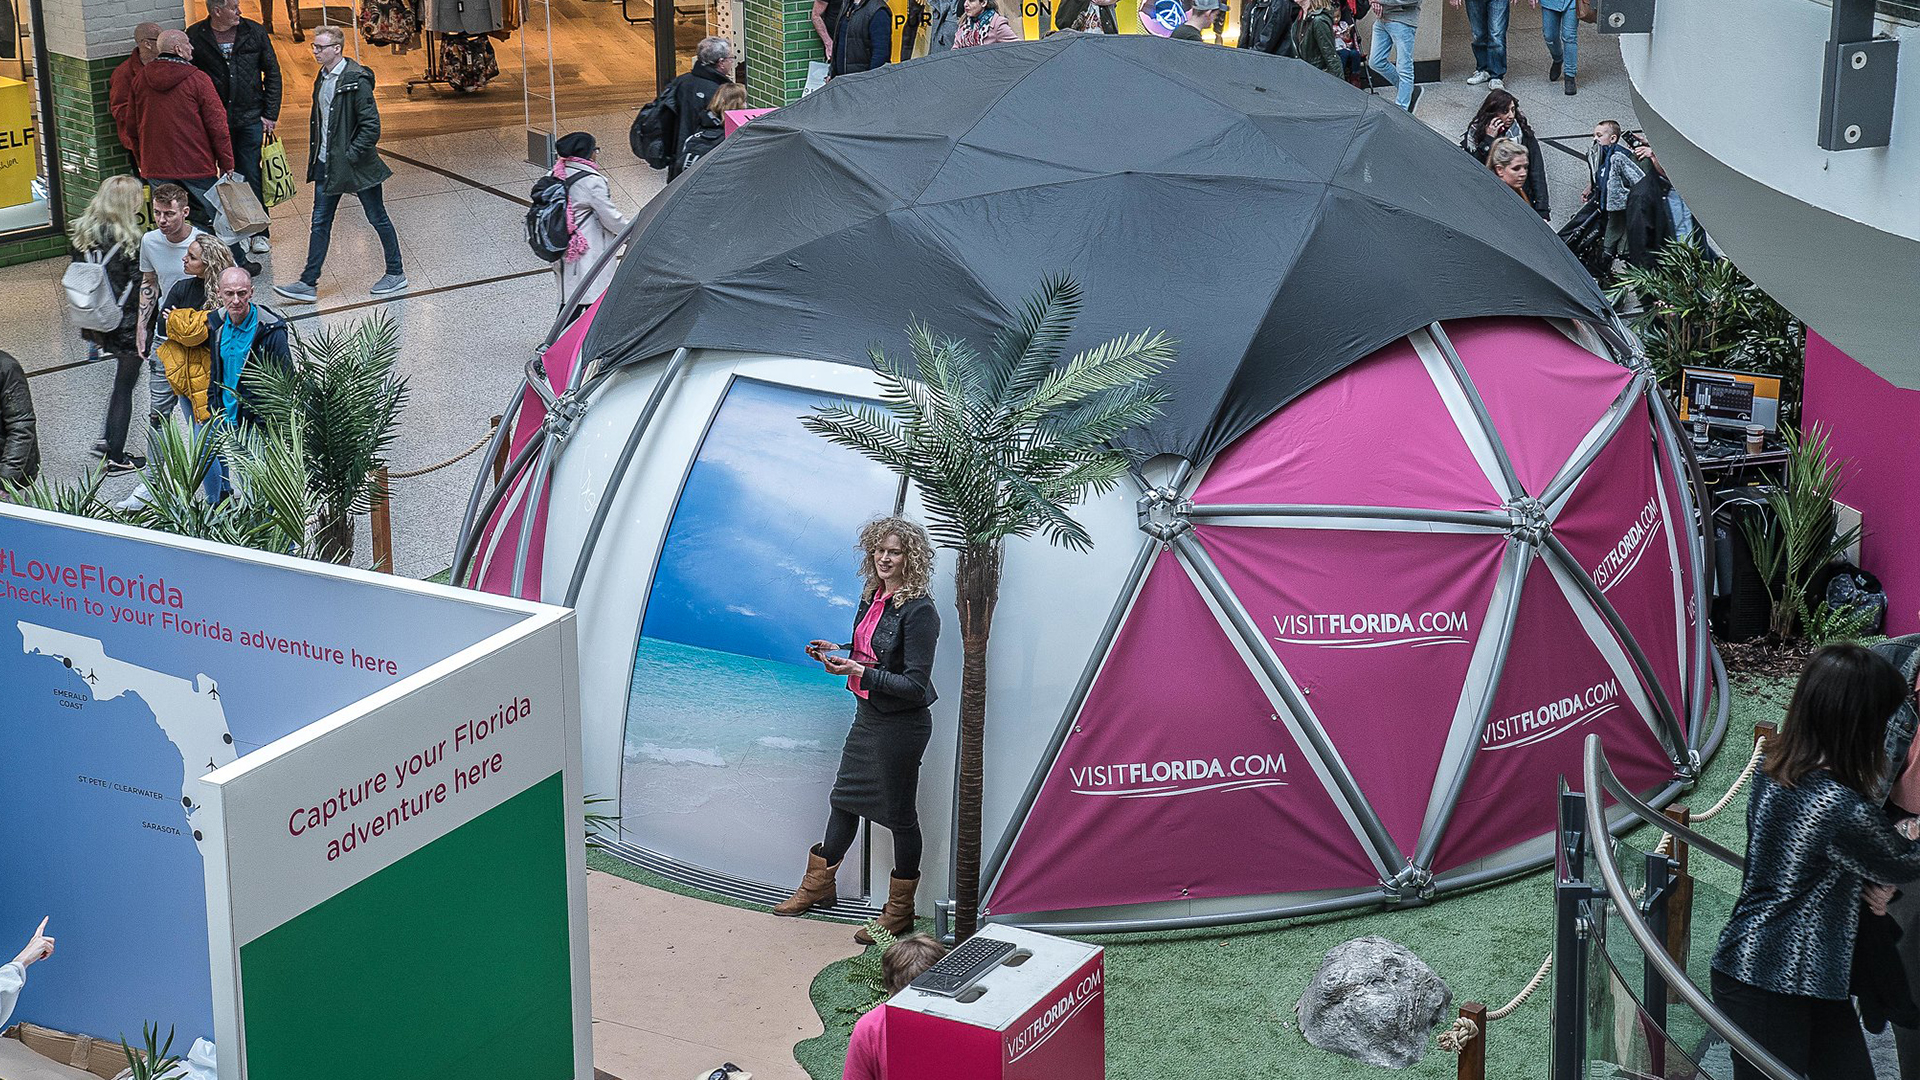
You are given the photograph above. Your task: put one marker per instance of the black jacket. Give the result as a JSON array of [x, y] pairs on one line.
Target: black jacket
[[249, 83], [853, 39], [1267, 26], [1649, 223], [19, 445], [904, 641], [353, 134], [1070, 12], [1479, 145], [690, 95]]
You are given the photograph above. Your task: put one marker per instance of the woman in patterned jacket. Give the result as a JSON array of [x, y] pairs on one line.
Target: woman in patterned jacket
[[1817, 842]]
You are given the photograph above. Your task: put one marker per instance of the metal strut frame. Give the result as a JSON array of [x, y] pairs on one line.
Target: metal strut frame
[[1528, 521]]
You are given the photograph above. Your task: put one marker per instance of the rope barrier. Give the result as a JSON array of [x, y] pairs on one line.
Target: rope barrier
[[1462, 1031], [454, 460]]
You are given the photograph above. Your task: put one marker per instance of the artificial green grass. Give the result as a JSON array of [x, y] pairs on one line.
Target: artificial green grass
[[1220, 1002]]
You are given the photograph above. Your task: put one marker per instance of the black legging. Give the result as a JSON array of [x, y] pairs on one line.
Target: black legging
[[127, 369], [843, 826]]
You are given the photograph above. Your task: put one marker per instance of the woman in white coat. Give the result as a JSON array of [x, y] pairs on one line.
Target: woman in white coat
[[597, 223]]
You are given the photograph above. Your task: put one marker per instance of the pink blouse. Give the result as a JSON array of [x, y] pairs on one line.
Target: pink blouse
[[863, 640], [868, 1047]]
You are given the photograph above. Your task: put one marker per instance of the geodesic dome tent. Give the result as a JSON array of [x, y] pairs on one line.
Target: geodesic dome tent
[[1405, 529]]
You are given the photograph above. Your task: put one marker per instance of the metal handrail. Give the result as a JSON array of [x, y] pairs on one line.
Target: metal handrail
[[1599, 777]]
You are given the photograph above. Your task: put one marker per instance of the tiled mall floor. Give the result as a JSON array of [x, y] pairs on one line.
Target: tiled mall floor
[[481, 302]]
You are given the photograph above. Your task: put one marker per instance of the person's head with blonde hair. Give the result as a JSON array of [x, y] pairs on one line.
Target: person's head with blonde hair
[[206, 259], [729, 97], [907, 958], [915, 544], [1508, 160], [112, 217]]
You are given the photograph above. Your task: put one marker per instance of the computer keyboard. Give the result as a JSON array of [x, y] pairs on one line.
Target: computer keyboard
[[957, 971]]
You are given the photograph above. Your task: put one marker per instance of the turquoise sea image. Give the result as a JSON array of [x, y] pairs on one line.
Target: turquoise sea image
[[729, 759], [733, 736]]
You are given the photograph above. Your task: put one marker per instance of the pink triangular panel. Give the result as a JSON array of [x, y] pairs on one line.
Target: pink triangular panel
[[1542, 391], [1378, 628], [496, 574], [1177, 780], [1555, 690], [1615, 529], [1377, 434]]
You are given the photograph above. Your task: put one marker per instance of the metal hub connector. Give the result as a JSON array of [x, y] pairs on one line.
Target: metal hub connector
[[1530, 521], [563, 415], [1412, 885], [1163, 514]]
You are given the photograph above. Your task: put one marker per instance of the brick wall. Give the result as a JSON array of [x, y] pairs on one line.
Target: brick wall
[[780, 41], [92, 29]]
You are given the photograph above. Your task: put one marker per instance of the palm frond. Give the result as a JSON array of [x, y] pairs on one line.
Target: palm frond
[[1025, 352]]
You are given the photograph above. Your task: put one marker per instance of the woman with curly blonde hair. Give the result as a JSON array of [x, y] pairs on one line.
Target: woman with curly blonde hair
[[890, 671]]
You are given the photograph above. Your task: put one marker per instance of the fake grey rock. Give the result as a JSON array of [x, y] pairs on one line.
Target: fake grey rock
[[1375, 1001]]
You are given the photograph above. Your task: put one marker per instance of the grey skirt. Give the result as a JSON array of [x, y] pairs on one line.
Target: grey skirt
[[880, 766]]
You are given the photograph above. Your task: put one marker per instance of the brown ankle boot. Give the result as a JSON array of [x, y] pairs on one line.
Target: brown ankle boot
[[816, 888], [896, 917]]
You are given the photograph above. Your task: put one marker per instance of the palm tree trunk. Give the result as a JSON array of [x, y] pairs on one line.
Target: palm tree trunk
[[976, 579], [334, 539]]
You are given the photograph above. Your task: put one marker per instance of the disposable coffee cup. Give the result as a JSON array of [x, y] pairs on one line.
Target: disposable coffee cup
[[1756, 438]]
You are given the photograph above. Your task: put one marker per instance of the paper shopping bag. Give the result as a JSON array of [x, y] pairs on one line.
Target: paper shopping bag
[[276, 176], [245, 216]]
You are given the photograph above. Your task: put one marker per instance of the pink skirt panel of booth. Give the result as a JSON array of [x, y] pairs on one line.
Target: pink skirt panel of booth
[[1177, 780], [1555, 690], [1543, 392], [500, 534], [1377, 628], [1377, 434]]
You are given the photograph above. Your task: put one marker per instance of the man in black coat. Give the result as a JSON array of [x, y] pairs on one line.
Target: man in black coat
[[689, 94], [236, 53], [864, 40], [19, 446]]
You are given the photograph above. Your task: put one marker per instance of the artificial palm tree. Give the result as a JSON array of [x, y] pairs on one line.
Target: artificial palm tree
[[1001, 445], [345, 391], [269, 510]]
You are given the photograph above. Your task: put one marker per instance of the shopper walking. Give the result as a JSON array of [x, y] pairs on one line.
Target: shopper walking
[[124, 88], [597, 223], [108, 231], [1488, 20], [1499, 117], [19, 441], [1560, 25], [982, 24], [345, 160], [1313, 38], [1508, 160], [1394, 25], [182, 126], [163, 253], [688, 96], [890, 670], [239, 333], [1817, 842], [237, 55]]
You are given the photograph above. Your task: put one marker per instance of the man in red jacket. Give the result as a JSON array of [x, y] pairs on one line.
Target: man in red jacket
[[123, 90], [182, 126]]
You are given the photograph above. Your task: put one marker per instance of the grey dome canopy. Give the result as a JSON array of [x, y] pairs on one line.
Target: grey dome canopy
[[1278, 222]]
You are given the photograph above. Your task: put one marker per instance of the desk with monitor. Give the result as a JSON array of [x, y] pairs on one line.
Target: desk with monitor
[[1727, 413]]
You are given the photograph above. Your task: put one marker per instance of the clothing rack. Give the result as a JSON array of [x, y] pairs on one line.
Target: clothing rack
[[434, 73]]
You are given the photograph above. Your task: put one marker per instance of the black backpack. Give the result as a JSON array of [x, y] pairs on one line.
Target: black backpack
[[699, 145], [549, 220], [648, 138]]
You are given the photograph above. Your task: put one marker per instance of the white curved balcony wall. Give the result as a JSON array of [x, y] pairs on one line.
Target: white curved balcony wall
[[1730, 94]]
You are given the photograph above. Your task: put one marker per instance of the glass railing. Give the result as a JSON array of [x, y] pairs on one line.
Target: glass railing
[[1634, 939]]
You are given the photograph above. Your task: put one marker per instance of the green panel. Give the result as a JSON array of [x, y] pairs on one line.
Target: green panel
[[451, 964]]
